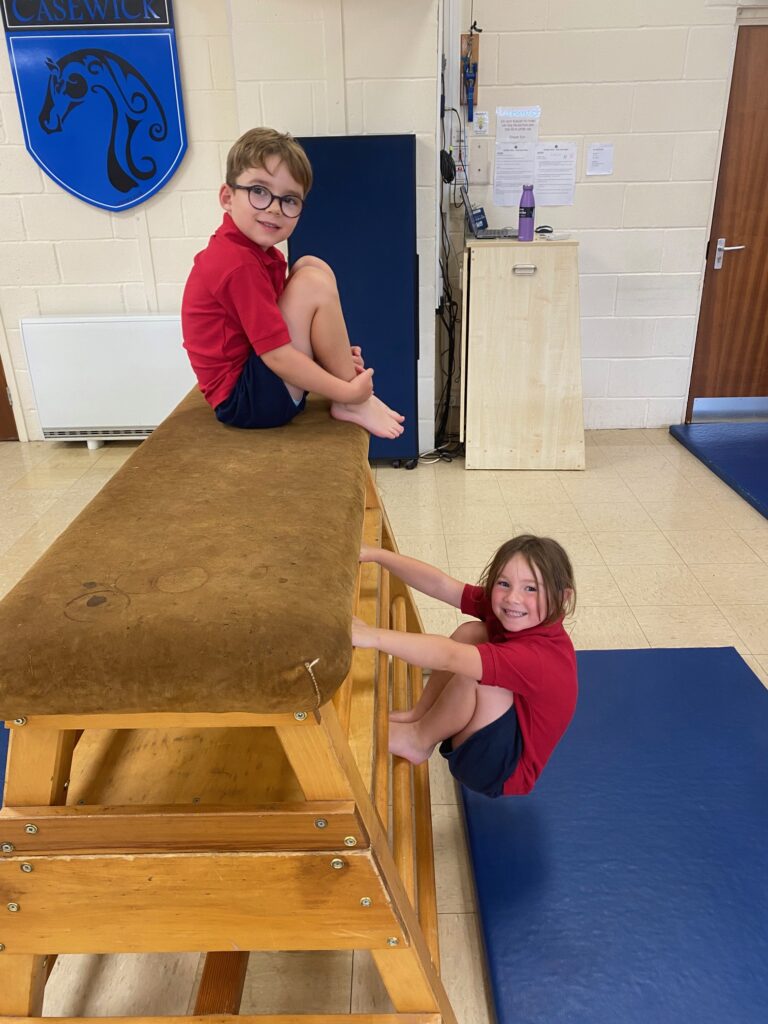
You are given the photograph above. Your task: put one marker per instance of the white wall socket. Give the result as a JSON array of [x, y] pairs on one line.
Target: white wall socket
[[479, 166]]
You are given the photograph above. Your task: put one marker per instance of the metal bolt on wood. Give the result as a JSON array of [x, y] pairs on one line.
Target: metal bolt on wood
[[321, 823], [30, 829], [2, 947], [300, 715], [337, 863], [26, 868], [7, 847], [366, 901], [19, 721], [393, 941], [14, 908], [350, 841]]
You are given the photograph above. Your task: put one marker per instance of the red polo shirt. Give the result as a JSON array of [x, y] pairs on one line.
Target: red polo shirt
[[229, 308]]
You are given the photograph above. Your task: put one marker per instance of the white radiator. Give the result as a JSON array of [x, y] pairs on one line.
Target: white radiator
[[96, 378]]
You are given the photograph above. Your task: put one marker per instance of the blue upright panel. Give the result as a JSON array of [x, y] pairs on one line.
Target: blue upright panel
[[361, 218], [736, 452], [631, 886]]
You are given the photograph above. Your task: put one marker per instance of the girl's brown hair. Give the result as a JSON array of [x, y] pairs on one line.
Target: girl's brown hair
[[258, 144], [554, 567]]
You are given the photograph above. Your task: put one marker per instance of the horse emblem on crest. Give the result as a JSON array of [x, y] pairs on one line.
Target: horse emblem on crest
[[138, 118], [105, 122]]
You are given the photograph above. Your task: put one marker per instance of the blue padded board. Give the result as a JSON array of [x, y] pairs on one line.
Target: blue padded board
[[736, 452], [631, 886]]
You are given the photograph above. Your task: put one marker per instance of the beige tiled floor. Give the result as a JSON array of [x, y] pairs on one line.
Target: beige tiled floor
[[665, 555]]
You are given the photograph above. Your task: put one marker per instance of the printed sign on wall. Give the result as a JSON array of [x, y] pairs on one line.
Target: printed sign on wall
[[99, 92]]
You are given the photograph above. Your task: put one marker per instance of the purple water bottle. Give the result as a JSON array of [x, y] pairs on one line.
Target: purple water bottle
[[527, 210]]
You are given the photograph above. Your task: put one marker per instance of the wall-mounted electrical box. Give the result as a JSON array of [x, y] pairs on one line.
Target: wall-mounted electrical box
[[479, 165]]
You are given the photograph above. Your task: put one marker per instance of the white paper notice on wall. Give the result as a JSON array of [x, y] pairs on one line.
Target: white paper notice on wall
[[600, 158], [517, 124], [481, 122], [514, 166], [517, 132], [555, 180]]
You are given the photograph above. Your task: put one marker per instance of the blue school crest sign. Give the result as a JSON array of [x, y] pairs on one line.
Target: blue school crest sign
[[99, 94]]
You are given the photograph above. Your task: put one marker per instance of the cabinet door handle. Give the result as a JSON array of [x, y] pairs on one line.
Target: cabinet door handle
[[524, 268]]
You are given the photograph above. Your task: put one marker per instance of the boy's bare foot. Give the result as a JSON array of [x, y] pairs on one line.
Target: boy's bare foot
[[404, 716], [377, 418], [403, 742]]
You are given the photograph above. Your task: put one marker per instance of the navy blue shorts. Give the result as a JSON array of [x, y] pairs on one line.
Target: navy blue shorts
[[259, 399], [486, 759]]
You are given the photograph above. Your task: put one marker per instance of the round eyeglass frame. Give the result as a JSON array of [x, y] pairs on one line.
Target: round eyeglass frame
[[281, 199]]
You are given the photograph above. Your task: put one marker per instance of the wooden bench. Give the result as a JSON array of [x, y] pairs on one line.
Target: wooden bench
[[198, 760]]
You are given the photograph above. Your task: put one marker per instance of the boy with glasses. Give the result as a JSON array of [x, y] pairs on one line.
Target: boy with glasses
[[259, 339]]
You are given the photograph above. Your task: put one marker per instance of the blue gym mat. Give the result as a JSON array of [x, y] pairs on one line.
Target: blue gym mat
[[736, 452], [632, 885]]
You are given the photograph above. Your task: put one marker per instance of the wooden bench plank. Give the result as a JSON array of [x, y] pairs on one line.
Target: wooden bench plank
[[222, 1018], [196, 902], [167, 829]]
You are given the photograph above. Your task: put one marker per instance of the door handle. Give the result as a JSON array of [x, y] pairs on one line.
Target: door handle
[[721, 248]]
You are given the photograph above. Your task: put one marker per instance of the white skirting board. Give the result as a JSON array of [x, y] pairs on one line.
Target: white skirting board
[[96, 378]]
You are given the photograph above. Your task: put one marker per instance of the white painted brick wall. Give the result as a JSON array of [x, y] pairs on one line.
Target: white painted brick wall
[[650, 76], [143, 257]]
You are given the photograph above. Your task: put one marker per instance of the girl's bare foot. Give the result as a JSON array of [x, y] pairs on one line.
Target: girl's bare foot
[[403, 742], [376, 417], [404, 716]]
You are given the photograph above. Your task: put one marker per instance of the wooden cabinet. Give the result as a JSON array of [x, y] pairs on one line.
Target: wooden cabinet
[[521, 356]]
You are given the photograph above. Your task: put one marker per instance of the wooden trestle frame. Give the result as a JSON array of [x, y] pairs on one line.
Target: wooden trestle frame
[[193, 832]]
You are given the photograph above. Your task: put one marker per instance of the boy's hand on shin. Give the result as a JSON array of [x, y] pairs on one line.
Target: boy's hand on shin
[[357, 358], [361, 388]]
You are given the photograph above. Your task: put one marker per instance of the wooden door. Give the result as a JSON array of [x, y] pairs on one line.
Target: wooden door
[[8, 430], [731, 355]]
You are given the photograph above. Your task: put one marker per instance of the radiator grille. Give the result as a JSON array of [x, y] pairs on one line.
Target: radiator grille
[[102, 433]]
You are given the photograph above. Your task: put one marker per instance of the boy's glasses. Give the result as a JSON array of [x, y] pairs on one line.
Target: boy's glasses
[[261, 199]]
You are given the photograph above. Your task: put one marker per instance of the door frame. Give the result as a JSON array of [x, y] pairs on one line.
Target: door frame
[[9, 371]]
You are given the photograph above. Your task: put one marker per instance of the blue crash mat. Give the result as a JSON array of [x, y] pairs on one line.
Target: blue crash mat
[[631, 886], [736, 452]]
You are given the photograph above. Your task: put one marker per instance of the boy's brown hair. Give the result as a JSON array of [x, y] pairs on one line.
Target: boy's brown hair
[[258, 144], [554, 567]]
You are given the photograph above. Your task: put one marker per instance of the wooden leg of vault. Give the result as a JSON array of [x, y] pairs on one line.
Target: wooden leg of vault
[[326, 770], [222, 983], [37, 772]]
